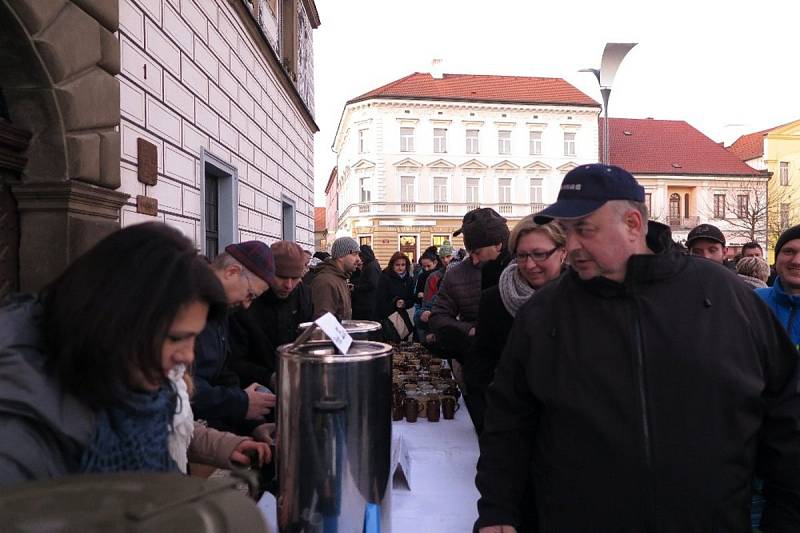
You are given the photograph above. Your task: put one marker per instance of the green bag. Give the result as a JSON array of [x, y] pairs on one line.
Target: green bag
[[128, 503]]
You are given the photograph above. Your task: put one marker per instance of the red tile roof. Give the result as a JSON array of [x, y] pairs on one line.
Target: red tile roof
[[749, 146], [482, 88], [647, 146], [319, 219]]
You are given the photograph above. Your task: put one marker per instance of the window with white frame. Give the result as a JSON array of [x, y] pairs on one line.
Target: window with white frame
[[536, 143], [439, 140], [504, 190], [406, 189], [536, 190], [440, 190], [504, 142], [569, 143], [473, 190], [784, 216], [365, 189], [719, 206], [742, 205], [648, 201], [784, 173], [406, 139], [473, 147]]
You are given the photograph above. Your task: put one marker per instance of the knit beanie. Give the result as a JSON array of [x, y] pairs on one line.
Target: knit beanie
[[290, 261], [788, 235], [344, 246], [482, 227], [255, 256], [445, 249]]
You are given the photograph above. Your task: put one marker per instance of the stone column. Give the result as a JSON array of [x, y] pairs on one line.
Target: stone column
[[59, 221]]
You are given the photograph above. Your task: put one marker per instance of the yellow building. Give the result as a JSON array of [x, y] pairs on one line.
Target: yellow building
[[776, 150]]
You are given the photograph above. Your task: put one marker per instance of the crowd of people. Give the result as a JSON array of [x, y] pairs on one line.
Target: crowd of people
[[617, 380]]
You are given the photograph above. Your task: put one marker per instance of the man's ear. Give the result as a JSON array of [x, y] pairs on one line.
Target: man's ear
[[232, 270], [635, 222]]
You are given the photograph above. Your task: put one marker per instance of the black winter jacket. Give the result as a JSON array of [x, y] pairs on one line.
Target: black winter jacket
[[218, 397], [257, 332], [365, 284], [391, 288], [644, 406]]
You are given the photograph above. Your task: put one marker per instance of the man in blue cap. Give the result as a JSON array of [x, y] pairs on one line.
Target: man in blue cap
[[629, 396]]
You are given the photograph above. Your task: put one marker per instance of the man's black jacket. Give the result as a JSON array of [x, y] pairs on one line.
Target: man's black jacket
[[644, 406], [256, 332]]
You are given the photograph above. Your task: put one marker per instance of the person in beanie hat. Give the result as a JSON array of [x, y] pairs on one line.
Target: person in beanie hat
[[329, 281], [245, 270], [455, 312], [783, 297], [273, 319], [609, 375], [446, 253]]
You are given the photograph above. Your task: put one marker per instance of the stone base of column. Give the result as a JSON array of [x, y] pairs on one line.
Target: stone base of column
[[58, 222]]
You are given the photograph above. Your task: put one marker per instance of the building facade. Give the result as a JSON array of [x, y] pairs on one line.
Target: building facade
[[776, 151], [689, 179], [415, 155], [197, 113]]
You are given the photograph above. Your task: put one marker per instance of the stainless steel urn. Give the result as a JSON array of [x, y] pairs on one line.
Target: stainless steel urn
[[334, 437]]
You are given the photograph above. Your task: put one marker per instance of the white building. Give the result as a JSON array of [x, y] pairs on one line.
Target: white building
[[224, 91], [415, 155]]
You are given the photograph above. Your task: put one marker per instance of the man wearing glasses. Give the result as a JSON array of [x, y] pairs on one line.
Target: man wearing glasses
[[245, 271]]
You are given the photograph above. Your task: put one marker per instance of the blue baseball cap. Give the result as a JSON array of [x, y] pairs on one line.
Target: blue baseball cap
[[586, 188]]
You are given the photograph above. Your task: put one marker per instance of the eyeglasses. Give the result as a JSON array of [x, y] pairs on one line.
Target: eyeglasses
[[536, 256], [251, 294]]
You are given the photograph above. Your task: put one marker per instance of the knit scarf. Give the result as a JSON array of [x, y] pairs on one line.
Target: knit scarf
[[514, 290], [132, 436]]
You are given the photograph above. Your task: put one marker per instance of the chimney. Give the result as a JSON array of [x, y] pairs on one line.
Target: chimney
[[436, 69]]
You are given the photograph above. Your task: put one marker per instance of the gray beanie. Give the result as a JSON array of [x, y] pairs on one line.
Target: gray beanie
[[344, 246]]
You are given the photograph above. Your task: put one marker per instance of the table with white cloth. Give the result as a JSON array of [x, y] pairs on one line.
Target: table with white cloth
[[442, 496]]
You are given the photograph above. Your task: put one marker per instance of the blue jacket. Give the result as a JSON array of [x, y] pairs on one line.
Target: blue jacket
[[786, 308]]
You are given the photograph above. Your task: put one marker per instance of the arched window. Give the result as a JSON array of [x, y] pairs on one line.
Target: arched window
[[674, 209]]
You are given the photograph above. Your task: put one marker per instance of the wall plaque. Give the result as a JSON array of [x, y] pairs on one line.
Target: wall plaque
[[148, 161], [146, 205]]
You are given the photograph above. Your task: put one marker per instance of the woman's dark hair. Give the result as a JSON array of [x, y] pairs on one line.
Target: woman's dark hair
[[398, 256], [322, 256], [432, 256], [110, 310]]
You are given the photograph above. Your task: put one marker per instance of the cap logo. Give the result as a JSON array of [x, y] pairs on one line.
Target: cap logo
[[571, 186]]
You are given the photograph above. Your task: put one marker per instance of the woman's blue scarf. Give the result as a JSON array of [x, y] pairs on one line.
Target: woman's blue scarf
[[132, 436]]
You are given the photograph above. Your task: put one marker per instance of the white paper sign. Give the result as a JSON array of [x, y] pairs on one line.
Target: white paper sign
[[335, 332]]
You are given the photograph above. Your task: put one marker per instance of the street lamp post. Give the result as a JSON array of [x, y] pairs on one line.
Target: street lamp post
[[613, 54]]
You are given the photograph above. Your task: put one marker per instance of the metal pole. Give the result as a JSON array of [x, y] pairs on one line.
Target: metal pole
[[606, 157]]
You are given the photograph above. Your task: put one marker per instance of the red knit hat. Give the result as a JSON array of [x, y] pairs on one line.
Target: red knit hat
[[256, 257]]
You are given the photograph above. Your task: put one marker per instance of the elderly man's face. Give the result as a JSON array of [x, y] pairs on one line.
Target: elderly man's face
[[600, 243]]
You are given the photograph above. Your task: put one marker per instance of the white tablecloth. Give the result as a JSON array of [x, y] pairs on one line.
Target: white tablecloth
[[443, 496]]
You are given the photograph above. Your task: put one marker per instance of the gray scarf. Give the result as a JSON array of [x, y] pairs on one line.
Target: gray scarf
[[514, 290]]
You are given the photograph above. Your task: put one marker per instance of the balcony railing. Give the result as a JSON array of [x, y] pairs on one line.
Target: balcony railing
[[683, 222], [436, 209]]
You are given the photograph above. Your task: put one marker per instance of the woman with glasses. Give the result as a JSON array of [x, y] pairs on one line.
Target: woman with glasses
[[538, 255]]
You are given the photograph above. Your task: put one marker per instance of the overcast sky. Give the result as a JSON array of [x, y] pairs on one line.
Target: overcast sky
[[726, 67]]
